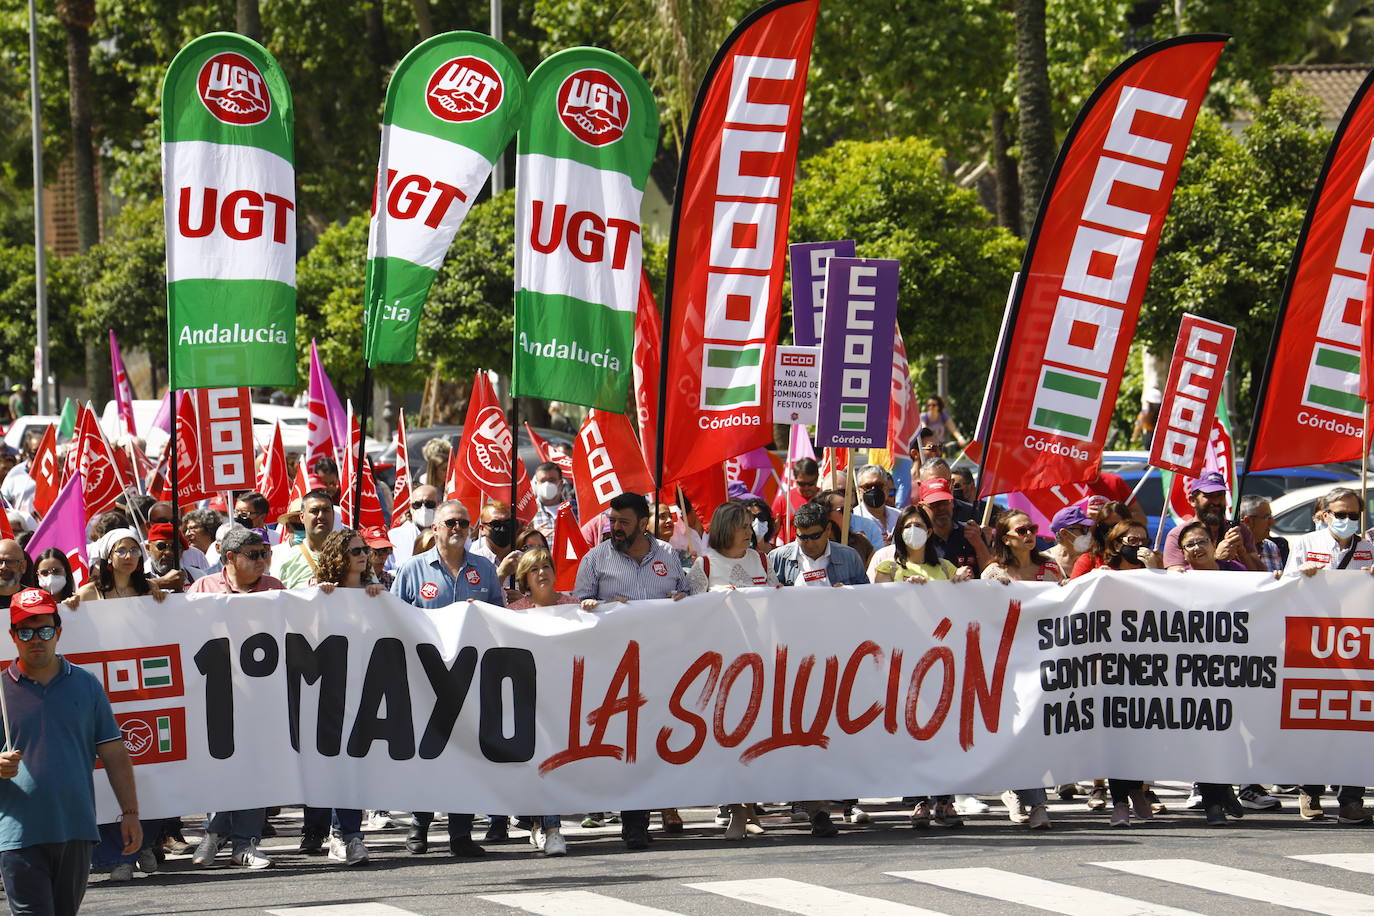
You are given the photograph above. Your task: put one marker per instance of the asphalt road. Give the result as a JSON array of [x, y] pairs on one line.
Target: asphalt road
[[990, 866]]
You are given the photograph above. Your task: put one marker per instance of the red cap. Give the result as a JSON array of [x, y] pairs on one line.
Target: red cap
[[935, 490], [376, 538], [163, 531], [31, 602]]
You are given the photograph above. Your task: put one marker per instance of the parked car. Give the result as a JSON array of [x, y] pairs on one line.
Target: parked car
[[14, 436], [1293, 510]]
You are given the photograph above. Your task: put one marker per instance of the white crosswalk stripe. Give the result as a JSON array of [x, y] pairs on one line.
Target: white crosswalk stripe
[[343, 909], [807, 899], [1362, 862], [570, 903], [1250, 885], [1039, 893]]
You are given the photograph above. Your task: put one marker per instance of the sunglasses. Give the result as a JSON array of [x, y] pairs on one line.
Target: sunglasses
[[1134, 541], [1348, 516], [357, 551], [161, 545], [423, 503], [451, 523], [255, 555], [811, 537], [26, 634], [1026, 529]]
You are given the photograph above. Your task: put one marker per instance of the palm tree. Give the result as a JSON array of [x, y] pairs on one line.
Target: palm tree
[[1036, 123]]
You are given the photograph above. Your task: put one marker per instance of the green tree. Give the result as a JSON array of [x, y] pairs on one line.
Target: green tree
[[18, 329], [896, 200]]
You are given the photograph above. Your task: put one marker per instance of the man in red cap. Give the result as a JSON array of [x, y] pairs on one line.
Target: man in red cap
[[47, 789], [159, 566], [962, 545], [382, 548]]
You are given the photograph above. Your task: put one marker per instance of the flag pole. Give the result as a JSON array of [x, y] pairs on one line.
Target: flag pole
[[5, 713], [848, 495], [1364, 472], [362, 444], [514, 457]]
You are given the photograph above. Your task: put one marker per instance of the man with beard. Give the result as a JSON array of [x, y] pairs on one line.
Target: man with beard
[[962, 545], [1233, 542], [446, 574], [632, 565], [14, 570], [160, 559], [424, 500], [294, 564]]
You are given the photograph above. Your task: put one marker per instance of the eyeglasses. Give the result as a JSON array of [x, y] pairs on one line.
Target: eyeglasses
[[257, 556], [1134, 540], [423, 504], [1348, 516], [1026, 529], [26, 634], [124, 553], [8, 561], [357, 551], [871, 486], [811, 537], [451, 523], [1196, 545]]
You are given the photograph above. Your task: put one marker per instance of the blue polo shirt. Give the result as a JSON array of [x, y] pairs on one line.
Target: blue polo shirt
[[424, 581], [56, 727]]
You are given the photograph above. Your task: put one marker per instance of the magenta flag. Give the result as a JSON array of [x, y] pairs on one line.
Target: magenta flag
[[123, 391], [64, 527], [163, 420], [328, 422]]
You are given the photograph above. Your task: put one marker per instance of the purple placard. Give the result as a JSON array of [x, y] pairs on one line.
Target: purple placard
[[856, 352], [808, 286]]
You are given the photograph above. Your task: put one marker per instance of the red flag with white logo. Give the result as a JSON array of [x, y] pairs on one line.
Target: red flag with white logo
[[1201, 355], [45, 472], [479, 468], [190, 479], [648, 343], [273, 483], [299, 485], [546, 453], [123, 391], [400, 498], [1309, 408], [1367, 338], [1075, 304], [370, 514], [728, 248], [569, 547], [96, 464], [607, 462], [224, 437], [319, 442], [904, 417]]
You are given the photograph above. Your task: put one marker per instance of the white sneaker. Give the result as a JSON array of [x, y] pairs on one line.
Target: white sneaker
[[338, 849], [147, 862], [537, 837], [205, 852], [1256, 799], [249, 858], [380, 820], [1194, 802], [124, 871], [1015, 810], [554, 844], [969, 804], [858, 815]]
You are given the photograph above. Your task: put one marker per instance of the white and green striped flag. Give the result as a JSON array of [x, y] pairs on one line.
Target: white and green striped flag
[[451, 108], [229, 186], [586, 142]]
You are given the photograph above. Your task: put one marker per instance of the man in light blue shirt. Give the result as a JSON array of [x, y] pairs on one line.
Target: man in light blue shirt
[[443, 575]]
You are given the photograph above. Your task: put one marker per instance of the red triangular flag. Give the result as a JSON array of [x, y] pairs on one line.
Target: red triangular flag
[[608, 462], [546, 453], [1367, 337], [645, 365], [45, 473], [96, 463], [479, 468], [272, 481], [569, 547], [400, 500], [299, 486]]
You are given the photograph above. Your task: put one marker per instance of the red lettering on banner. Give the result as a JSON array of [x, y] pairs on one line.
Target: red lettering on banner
[[977, 690], [754, 663], [241, 215], [625, 680], [925, 732], [1327, 642], [1328, 705], [407, 196], [794, 734], [852, 725], [709, 663], [894, 688], [585, 234]]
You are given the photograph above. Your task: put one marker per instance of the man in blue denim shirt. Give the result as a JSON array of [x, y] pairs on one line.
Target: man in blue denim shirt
[[813, 559], [443, 575]]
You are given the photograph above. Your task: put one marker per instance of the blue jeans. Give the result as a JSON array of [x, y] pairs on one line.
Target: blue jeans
[[109, 851], [547, 821], [48, 879], [347, 822], [242, 827], [1031, 797]]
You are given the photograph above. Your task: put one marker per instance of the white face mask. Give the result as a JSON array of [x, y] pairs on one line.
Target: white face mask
[[1344, 527], [914, 538], [1082, 543], [760, 528], [678, 539], [52, 583], [423, 517], [546, 490]]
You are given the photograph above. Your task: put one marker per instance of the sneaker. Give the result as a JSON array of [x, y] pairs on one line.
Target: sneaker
[[537, 837], [1156, 806], [799, 814], [553, 843], [205, 852], [1016, 811], [124, 871], [822, 825], [380, 820], [752, 826], [1310, 809], [1097, 798], [1121, 815], [1231, 805], [672, 821], [249, 858], [147, 862], [1140, 805], [1068, 790], [613, 818], [1286, 790], [920, 816], [312, 841], [1216, 816], [1256, 799], [858, 815], [970, 804], [723, 816], [947, 815], [176, 845], [1039, 818], [1194, 802], [594, 820], [1352, 812], [351, 852]]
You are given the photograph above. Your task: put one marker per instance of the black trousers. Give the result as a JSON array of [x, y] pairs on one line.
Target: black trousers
[[48, 879]]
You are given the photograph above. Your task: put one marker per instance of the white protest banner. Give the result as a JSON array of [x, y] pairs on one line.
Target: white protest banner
[[883, 690], [796, 384]]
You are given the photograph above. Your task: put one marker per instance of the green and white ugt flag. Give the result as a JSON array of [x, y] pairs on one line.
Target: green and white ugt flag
[[588, 137], [229, 187], [451, 108]]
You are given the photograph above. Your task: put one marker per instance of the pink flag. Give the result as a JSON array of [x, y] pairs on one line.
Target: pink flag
[[903, 417], [123, 391], [163, 420], [798, 447], [325, 435], [64, 527]]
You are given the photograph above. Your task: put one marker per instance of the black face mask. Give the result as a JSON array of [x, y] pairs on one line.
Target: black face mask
[[501, 533], [243, 520], [1130, 553], [874, 498]]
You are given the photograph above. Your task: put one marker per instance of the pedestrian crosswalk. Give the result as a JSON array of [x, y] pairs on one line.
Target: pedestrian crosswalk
[[1218, 888]]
